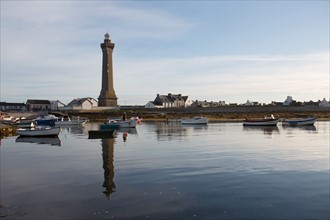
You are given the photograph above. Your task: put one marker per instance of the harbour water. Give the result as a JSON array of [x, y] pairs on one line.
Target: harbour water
[[169, 171]]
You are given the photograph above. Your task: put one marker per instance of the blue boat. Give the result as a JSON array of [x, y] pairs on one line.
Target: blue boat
[[106, 126], [299, 122], [48, 120]]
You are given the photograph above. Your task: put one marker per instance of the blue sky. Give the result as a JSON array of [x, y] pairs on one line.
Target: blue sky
[[209, 50]]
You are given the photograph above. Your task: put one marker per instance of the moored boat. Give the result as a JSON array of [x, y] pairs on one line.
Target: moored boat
[[8, 119], [48, 120], [197, 120], [129, 123], [38, 131], [266, 121], [70, 121], [299, 121]]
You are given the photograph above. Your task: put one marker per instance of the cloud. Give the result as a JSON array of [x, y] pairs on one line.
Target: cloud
[[230, 78], [50, 49]]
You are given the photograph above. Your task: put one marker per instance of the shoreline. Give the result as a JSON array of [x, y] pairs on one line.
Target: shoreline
[[220, 114]]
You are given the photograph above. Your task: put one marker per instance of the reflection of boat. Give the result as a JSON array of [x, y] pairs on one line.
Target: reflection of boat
[[97, 134], [69, 121], [48, 120], [194, 121], [299, 121], [128, 130], [267, 121], [266, 129], [38, 131], [302, 127], [40, 140]]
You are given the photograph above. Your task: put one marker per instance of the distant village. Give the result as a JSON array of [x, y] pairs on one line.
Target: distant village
[[161, 101]]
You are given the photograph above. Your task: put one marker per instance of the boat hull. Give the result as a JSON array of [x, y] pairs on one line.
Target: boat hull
[[195, 121], [299, 122], [131, 123], [37, 132], [266, 122], [25, 124], [109, 126], [58, 123]]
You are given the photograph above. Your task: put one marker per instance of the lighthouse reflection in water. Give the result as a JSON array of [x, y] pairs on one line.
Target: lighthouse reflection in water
[[108, 156]]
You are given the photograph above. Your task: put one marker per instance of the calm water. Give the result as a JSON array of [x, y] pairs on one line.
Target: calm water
[[169, 171]]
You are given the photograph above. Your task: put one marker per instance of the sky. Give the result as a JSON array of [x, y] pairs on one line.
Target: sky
[[230, 51]]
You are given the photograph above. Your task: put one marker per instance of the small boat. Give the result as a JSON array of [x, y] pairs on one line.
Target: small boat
[[130, 123], [69, 121], [38, 131], [48, 120], [99, 134], [299, 121], [195, 120], [8, 119], [266, 121]]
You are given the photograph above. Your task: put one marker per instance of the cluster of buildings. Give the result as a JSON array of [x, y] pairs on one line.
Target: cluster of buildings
[[41, 105], [161, 101]]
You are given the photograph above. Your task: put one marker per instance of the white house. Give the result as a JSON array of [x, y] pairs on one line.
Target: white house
[[288, 101], [152, 104], [56, 105], [82, 104], [324, 103], [168, 101]]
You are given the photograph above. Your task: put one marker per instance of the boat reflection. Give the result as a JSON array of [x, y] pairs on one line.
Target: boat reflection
[[267, 130], [305, 127], [73, 129], [195, 127], [127, 130], [169, 131], [40, 140], [108, 166]]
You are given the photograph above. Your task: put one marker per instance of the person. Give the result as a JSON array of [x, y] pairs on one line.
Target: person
[[125, 136], [124, 116]]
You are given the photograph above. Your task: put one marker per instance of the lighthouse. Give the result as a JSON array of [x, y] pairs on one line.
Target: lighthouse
[[107, 95]]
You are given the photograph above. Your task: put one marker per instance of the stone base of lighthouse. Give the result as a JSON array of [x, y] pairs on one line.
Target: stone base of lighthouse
[[112, 102], [108, 100]]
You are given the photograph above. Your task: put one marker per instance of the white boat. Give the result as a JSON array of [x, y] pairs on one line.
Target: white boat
[[69, 121], [38, 131], [130, 123], [195, 120], [267, 121], [9, 120], [299, 121]]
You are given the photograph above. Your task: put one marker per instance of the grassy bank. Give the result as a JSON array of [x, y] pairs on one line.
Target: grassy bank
[[214, 114]]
